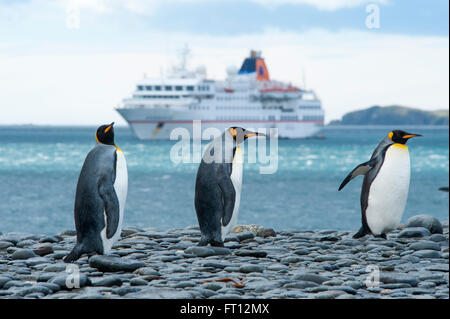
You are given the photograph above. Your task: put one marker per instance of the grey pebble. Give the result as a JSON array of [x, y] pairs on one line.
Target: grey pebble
[[318, 279], [245, 236], [138, 282], [425, 244], [413, 232], [250, 253], [427, 253], [107, 281], [250, 268], [114, 264], [23, 254]]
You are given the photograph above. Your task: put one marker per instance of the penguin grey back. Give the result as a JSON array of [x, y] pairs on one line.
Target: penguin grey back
[[98, 172], [382, 146], [214, 191], [369, 178]]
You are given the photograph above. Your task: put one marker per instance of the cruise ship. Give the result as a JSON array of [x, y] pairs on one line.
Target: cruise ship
[[247, 98]]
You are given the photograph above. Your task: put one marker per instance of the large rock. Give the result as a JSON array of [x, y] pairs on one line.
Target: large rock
[[114, 264], [429, 222]]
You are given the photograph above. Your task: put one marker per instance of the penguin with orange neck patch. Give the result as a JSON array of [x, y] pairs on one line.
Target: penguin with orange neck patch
[[218, 185], [100, 197], [385, 185]]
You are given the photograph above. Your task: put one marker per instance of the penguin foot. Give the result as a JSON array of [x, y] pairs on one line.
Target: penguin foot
[[73, 255], [381, 236], [202, 242], [217, 244], [360, 233]]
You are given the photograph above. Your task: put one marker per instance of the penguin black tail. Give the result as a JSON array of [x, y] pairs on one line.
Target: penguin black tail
[[76, 253], [361, 233]]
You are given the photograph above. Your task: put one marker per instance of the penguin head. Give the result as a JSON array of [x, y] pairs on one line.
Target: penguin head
[[105, 134], [399, 136], [240, 134]]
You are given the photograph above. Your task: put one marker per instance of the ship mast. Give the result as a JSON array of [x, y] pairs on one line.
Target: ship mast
[[184, 54]]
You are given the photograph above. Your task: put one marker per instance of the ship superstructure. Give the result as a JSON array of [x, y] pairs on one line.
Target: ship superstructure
[[247, 98]]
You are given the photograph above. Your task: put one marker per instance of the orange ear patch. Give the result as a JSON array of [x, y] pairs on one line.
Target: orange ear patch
[[107, 129], [390, 135], [233, 132]]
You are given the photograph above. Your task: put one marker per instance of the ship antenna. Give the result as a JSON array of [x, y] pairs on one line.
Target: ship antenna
[[184, 54], [304, 78], [161, 72]]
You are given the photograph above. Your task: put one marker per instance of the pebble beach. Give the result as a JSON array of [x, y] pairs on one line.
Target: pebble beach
[[255, 263]]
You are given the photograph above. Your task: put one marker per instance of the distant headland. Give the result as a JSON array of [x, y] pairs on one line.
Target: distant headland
[[394, 115]]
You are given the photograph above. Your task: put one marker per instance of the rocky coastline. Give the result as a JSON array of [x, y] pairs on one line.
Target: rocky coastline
[[255, 263]]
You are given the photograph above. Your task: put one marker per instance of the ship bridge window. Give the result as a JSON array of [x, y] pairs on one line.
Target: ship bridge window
[[157, 87], [178, 88], [168, 88], [289, 118], [203, 88], [140, 87], [309, 107], [148, 87], [313, 118], [190, 88]]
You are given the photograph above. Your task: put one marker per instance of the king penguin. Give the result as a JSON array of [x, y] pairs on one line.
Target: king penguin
[[100, 197], [385, 185], [218, 185]]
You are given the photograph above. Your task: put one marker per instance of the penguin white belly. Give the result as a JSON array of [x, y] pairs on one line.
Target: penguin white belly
[[121, 189], [389, 191], [236, 179]]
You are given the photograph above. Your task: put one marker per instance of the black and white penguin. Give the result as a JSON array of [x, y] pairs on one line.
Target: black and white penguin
[[385, 186], [218, 185], [100, 197]]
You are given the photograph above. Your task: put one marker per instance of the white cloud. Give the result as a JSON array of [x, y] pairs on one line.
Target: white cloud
[[329, 5], [150, 6], [349, 70]]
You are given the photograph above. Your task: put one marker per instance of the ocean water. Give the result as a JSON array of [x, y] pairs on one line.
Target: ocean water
[[39, 168]]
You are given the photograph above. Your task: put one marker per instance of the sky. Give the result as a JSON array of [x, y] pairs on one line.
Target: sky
[[70, 62]]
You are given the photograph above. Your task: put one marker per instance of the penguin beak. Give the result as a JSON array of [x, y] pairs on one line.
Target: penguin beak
[[250, 134], [408, 136]]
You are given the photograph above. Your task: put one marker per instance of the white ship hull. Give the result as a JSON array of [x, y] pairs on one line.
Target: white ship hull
[[161, 129]]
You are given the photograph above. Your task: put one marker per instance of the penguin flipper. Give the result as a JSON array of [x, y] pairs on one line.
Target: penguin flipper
[[228, 196], [111, 203], [361, 169]]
